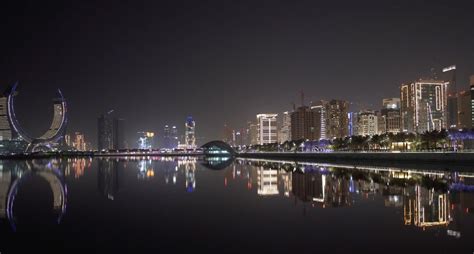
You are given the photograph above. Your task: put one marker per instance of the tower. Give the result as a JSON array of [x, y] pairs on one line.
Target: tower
[[189, 136]]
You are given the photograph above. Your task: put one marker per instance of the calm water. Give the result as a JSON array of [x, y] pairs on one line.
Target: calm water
[[188, 204]]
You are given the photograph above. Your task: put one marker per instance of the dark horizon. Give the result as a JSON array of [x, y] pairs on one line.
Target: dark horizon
[[221, 62]]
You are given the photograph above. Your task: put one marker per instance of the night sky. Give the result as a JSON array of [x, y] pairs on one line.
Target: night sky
[[155, 63]]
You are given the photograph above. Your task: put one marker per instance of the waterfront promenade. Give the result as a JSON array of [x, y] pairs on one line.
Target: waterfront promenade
[[380, 157]]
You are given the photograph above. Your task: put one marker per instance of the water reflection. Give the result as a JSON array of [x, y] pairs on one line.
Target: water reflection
[[424, 200], [15, 173]]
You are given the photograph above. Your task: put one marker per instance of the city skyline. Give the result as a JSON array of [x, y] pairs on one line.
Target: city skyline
[[168, 74]]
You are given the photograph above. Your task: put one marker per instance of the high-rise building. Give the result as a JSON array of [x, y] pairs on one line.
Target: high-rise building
[[170, 137], [105, 132], [284, 133], [5, 128], [166, 137], [337, 121], [391, 114], [118, 134], [472, 100], [319, 114], [110, 132], [252, 133], [67, 139], [79, 142], [367, 123], [423, 106], [303, 124], [452, 104], [464, 110], [146, 140], [267, 131], [381, 123], [353, 126], [190, 133]]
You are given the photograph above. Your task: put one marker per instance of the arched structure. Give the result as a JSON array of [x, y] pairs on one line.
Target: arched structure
[[218, 148], [56, 130]]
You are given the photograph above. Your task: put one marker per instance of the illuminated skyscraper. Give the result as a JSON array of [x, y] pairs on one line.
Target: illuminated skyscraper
[[472, 100], [167, 137], [267, 131], [423, 106], [284, 133], [391, 112], [367, 123], [5, 128], [337, 121], [190, 133], [353, 123], [67, 139], [452, 104], [170, 137], [79, 142], [319, 114]]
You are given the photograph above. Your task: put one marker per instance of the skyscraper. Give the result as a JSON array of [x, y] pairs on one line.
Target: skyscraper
[[423, 106], [304, 124], [337, 121], [267, 131], [284, 133], [67, 139], [170, 137], [452, 104], [367, 123], [79, 142], [471, 81], [319, 114], [391, 112], [174, 137], [5, 128], [118, 134], [105, 132], [353, 123], [190, 135], [110, 132], [464, 110]]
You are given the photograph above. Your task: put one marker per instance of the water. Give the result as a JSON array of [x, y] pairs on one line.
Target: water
[[187, 204]]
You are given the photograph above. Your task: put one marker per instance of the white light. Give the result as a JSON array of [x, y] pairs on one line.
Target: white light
[[449, 68]]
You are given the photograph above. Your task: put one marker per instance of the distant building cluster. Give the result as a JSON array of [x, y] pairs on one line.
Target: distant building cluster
[[111, 136], [426, 104]]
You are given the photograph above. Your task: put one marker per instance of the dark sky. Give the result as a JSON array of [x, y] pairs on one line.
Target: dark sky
[[155, 62]]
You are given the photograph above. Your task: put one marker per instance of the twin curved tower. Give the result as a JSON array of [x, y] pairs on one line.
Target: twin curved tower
[[10, 127]]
